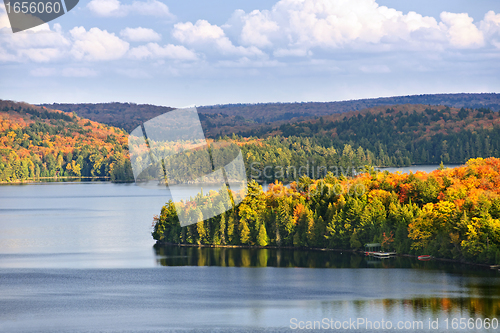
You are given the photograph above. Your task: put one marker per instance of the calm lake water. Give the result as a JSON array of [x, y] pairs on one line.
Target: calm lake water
[[415, 168], [78, 257]]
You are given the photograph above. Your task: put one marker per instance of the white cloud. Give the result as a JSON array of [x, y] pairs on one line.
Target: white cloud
[[208, 37], [490, 26], [40, 54], [257, 29], [38, 45], [327, 24], [153, 50], [104, 7], [461, 30], [202, 31], [152, 8], [292, 27], [4, 19], [96, 44], [140, 35], [31, 39], [292, 53], [116, 8]]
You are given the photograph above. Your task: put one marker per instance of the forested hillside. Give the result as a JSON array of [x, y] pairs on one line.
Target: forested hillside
[[269, 112], [123, 115], [235, 117], [37, 143], [402, 135], [380, 136], [449, 213]]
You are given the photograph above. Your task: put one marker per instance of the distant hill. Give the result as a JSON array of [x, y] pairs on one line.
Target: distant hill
[[38, 143], [123, 115], [403, 134], [270, 112], [240, 116], [381, 136]]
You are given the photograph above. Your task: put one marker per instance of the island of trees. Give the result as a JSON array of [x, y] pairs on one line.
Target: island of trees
[[449, 213]]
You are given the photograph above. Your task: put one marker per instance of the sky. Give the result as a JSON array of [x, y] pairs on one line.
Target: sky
[[200, 52]]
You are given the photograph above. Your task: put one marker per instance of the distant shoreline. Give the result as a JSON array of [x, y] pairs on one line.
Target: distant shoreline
[[53, 180]]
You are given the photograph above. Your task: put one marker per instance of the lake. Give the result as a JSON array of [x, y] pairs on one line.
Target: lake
[[79, 257], [415, 168]]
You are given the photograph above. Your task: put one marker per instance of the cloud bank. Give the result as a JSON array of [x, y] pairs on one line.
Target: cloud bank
[[300, 35]]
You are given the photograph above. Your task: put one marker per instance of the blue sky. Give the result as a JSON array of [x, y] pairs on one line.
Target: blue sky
[[179, 53]]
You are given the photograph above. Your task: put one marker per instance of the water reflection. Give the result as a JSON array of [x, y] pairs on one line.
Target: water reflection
[[252, 257], [402, 287], [418, 308]]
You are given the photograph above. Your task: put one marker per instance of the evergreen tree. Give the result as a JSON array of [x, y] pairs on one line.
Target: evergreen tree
[[354, 241], [222, 229], [230, 229], [244, 232], [262, 239]]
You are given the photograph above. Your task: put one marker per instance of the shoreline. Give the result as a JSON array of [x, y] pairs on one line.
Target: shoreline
[[274, 247], [104, 178], [51, 180]]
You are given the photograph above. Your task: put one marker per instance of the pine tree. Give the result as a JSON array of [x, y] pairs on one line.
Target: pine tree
[[222, 229], [244, 232], [216, 232], [262, 239], [354, 241], [200, 226], [284, 220], [319, 231], [311, 232], [230, 229]]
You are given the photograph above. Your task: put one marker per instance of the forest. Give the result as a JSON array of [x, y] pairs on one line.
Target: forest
[[396, 136], [38, 143], [271, 112], [404, 135], [448, 213], [130, 115], [122, 115]]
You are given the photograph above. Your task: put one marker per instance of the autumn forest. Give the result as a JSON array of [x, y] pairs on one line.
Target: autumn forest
[[37, 143], [449, 213]]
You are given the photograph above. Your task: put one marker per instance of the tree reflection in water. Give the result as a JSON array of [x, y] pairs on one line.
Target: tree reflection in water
[[479, 294]]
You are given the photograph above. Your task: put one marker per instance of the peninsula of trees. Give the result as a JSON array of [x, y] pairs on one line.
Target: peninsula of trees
[[449, 213]]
